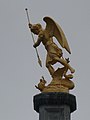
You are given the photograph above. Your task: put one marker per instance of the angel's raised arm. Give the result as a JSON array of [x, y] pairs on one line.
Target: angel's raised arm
[[39, 40]]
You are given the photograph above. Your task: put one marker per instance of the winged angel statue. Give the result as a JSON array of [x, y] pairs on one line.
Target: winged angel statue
[[45, 36]]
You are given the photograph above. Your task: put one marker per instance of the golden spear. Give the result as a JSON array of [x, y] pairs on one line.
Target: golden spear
[[39, 61]]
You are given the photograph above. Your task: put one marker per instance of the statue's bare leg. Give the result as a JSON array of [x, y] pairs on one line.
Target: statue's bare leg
[[50, 68], [64, 62]]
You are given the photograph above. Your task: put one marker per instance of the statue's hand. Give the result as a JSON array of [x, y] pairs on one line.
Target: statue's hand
[[34, 45]]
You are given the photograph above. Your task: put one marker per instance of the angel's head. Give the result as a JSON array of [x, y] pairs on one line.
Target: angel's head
[[36, 28]]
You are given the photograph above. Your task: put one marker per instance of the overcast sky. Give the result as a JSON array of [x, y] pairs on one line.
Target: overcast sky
[[19, 70]]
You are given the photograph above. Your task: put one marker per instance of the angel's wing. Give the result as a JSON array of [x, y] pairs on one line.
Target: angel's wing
[[55, 30]]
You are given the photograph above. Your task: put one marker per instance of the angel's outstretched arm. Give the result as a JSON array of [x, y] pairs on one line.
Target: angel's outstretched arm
[[37, 43]]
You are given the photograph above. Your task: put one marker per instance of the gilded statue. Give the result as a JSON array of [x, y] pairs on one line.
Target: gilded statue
[[54, 53]]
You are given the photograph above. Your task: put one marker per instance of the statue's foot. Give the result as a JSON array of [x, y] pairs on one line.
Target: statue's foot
[[72, 70]]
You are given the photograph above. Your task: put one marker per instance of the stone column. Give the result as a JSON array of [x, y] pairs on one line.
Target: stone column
[[54, 105]]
